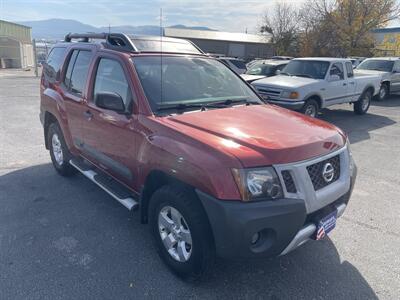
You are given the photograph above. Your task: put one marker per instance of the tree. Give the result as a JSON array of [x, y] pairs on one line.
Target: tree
[[347, 24], [281, 22]]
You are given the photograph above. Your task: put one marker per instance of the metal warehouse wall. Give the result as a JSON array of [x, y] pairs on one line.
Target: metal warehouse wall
[[16, 50], [242, 50]]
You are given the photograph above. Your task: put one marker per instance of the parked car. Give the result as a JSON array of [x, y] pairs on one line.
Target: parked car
[[264, 68], [282, 57], [356, 61], [236, 64], [253, 61], [388, 70], [211, 168], [309, 84]]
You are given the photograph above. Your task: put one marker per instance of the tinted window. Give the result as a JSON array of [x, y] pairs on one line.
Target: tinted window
[[67, 79], [349, 69], [54, 62], [396, 66], [377, 65], [189, 80], [238, 63], [337, 69], [262, 69], [80, 72], [110, 77]]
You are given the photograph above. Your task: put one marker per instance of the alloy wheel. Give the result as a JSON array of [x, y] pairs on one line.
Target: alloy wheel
[[175, 233]]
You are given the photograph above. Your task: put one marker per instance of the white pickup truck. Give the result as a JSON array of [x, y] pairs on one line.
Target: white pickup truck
[[309, 84]]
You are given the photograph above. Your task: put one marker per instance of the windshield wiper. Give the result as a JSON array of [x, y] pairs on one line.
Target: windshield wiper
[[303, 75], [203, 106]]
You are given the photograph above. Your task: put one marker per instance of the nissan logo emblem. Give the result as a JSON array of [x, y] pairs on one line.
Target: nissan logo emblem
[[328, 172]]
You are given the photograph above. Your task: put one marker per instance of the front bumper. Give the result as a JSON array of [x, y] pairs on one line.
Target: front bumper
[[290, 104], [283, 225]]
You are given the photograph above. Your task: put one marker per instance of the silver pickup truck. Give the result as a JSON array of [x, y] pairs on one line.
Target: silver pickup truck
[[309, 84]]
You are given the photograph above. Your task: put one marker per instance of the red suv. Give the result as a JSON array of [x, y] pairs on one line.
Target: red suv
[[164, 128]]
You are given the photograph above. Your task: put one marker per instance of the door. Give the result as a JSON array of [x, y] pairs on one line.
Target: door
[[109, 136], [336, 89], [395, 77], [73, 89], [351, 87]]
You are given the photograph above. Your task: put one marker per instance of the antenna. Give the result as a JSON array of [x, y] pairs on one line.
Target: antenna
[[161, 55]]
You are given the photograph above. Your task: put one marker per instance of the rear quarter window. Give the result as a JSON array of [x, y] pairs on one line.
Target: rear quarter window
[[53, 63]]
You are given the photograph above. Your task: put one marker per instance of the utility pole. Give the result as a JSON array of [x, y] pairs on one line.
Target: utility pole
[[35, 57]]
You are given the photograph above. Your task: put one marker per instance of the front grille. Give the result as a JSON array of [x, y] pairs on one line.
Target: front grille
[[315, 172], [271, 94], [289, 183]]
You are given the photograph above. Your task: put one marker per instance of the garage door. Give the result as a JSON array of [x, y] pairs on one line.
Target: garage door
[[236, 50]]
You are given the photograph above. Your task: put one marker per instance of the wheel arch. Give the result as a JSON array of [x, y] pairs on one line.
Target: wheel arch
[[316, 97], [155, 180]]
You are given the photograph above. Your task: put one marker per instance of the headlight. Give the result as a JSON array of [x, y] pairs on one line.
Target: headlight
[[290, 95], [260, 183]]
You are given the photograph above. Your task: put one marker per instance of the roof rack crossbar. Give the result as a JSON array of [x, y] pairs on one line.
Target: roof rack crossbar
[[113, 40]]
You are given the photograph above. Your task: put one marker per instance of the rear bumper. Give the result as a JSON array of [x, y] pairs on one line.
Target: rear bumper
[[294, 105], [283, 225]]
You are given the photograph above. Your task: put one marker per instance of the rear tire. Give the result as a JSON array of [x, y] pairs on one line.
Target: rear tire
[[59, 153], [362, 105], [310, 108], [188, 230]]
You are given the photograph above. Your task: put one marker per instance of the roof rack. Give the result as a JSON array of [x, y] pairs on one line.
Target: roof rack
[[118, 41], [123, 42]]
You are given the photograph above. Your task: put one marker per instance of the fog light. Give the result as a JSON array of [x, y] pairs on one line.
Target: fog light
[[255, 238]]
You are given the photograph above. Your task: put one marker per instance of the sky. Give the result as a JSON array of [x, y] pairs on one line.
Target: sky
[[224, 15]]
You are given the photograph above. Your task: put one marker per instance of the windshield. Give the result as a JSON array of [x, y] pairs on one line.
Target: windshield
[[189, 80], [377, 65], [306, 68], [262, 69]]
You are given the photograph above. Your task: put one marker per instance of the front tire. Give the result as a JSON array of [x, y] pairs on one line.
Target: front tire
[[362, 105], [383, 92], [181, 232], [310, 108], [60, 156]]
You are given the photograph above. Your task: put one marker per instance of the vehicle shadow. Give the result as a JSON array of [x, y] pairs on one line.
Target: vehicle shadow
[[357, 127], [69, 232], [391, 101]]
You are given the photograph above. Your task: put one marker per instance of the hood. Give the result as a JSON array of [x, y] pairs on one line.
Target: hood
[[283, 81], [371, 72], [250, 78], [259, 135]]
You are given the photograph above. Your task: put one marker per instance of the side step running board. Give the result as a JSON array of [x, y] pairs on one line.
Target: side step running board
[[113, 188]]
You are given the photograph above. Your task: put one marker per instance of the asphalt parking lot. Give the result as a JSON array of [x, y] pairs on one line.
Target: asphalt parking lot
[[66, 239]]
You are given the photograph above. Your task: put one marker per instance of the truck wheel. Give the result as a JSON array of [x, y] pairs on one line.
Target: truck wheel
[[362, 105], [383, 92], [59, 153], [310, 108], [181, 231]]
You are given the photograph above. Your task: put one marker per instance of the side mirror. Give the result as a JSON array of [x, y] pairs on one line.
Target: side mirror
[[278, 72], [334, 77], [111, 101], [394, 71]]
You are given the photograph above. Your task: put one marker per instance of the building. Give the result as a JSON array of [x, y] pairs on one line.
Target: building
[[16, 50], [241, 45], [387, 41]]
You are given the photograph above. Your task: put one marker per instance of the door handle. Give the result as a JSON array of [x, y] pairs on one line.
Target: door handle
[[352, 82], [344, 84], [88, 115]]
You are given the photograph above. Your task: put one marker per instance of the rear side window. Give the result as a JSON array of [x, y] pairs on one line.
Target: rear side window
[[77, 71], [53, 63], [349, 70], [238, 63], [110, 77]]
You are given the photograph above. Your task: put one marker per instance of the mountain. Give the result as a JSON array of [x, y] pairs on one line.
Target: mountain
[[58, 28]]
